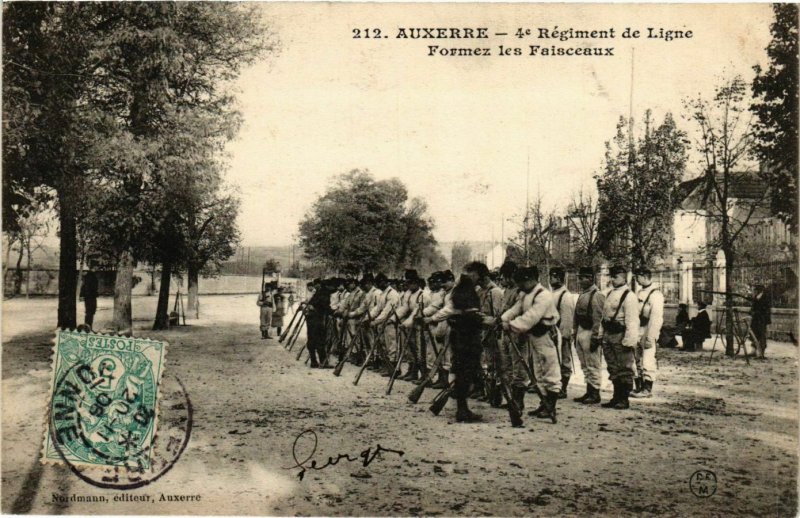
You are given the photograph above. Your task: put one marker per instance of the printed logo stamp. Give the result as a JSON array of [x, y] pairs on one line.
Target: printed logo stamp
[[703, 483], [104, 400]]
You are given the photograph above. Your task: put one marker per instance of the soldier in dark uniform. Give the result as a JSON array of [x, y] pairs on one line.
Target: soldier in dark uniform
[[89, 295], [318, 308], [465, 337]]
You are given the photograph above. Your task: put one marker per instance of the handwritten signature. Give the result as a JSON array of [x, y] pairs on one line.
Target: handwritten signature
[[366, 456]]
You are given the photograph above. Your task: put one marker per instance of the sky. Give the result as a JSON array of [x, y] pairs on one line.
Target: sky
[[473, 136]]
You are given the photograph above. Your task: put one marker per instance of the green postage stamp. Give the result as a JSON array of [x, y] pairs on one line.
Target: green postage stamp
[[104, 400]]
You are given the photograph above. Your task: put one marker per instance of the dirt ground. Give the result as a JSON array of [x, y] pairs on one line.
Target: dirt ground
[[252, 399]]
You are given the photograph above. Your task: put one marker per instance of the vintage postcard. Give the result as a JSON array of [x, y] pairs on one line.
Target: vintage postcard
[[399, 259]]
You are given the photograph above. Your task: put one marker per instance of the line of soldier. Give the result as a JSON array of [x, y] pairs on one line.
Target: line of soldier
[[526, 332]]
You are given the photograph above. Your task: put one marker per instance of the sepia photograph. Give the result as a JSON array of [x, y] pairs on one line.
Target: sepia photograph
[[399, 259]]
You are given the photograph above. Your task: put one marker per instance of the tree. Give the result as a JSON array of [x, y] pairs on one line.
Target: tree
[[776, 106], [48, 72], [637, 190], [363, 225], [534, 242], [583, 216], [726, 143]]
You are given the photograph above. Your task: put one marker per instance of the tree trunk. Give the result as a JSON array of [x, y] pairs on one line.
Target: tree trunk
[[11, 241], [193, 302], [162, 309], [729, 339], [122, 322], [68, 255]]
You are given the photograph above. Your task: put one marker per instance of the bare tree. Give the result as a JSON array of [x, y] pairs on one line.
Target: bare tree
[[726, 142], [583, 216]]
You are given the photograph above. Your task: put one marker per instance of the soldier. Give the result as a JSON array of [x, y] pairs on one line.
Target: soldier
[[89, 295], [465, 325], [565, 305], [435, 302], [587, 334], [513, 370], [390, 301], [491, 306], [267, 304], [412, 323], [318, 308], [651, 318], [436, 315], [356, 310], [337, 297], [620, 336], [533, 316]]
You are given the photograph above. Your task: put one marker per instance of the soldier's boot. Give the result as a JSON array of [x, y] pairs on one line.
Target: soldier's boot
[[541, 411], [312, 354], [518, 395], [423, 376], [263, 334], [637, 385], [624, 392], [585, 396], [594, 396], [564, 385], [615, 397], [552, 401], [464, 415], [441, 380], [412, 374], [646, 392]]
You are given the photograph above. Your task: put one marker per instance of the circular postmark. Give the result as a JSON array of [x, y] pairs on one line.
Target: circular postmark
[[112, 442], [703, 483]]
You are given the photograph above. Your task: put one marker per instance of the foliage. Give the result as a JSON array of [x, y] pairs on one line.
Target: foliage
[[776, 106], [637, 190], [364, 225]]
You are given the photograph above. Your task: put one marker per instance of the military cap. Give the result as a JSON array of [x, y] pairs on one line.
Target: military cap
[[380, 278], [367, 277], [617, 269], [557, 272], [435, 277], [643, 270], [586, 271], [349, 280], [410, 274], [508, 268], [526, 273], [447, 275]]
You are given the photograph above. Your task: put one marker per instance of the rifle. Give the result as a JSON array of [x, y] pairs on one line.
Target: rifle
[[525, 364], [337, 338], [402, 338], [296, 331], [374, 349], [337, 371], [366, 328], [441, 399], [419, 389], [300, 310], [514, 412]]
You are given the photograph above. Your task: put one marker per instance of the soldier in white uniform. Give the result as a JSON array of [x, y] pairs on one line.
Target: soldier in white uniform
[[533, 315], [651, 318], [390, 300], [565, 305], [587, 334], [620, 337], [436, 316], [413, 322]]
